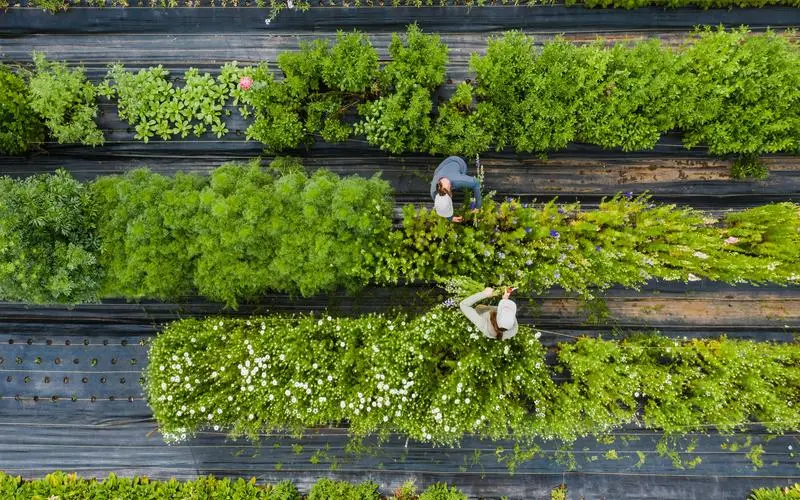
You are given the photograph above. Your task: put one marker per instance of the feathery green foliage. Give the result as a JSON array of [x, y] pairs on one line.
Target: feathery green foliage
[[20, 126], [66, 101], [48, 240]]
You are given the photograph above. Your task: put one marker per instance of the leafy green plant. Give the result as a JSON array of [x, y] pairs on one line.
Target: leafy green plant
[[440, 491], [777, 493], [744, 92], [156, 108], [52, 6], [48, 240], [328, 489], [61, 485], [145, 225], [66, 101], [291, 232], [749, 166], [626, 241], [20, 126]]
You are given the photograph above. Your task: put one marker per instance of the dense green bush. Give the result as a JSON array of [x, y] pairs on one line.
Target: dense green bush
[[435, 379], [624, 242], [66, 101], [778, 493], [61, 485], [240, 232], [48, 240], [145, 229], [20, 126], [743, 92]]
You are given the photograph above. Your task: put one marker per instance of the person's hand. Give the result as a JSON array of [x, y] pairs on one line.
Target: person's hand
[[488, 291], [457, 218]]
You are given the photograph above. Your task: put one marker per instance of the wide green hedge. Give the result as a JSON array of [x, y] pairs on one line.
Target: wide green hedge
[[785, 493], [70, 486], [246, 230], [731, 91], [433, 378]]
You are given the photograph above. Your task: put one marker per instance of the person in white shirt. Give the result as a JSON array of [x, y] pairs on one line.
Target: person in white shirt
[[498, 322]]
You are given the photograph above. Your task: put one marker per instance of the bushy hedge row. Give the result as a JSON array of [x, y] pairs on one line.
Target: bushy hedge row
[[785, 493], [433, 378], [64, 486], [733, 92], [626, 241], [245, 230]]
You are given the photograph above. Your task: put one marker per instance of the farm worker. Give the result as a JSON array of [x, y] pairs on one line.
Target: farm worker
[[494, 322], [449, 175]]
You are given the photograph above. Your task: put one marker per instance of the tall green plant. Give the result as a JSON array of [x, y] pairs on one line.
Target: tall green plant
[[20, 126], [66, 101], [744, 92], [48, 240], [624, 242], [145, 225]]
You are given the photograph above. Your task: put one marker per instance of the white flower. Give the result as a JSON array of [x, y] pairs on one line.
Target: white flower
[[271, 397], [330, 378], [216, 427], [692, 277], [219, 411], [537, 335], [230, 398], [161, 368], [700, 255], [342, 404], [385, 418], [466, 401], [251, 417], [294, 399], [288, 392], [163, 386], [315, 366], [290, 4], [202, 409], [282, 357]]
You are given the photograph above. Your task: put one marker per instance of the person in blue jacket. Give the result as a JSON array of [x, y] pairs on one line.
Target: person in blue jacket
[[450, 175]]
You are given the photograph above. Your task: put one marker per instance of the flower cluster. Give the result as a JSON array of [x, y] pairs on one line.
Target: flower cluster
[[427, 376]]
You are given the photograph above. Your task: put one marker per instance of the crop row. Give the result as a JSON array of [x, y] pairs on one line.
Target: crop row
[[247, 229], [61, 485], [733, 92], [434, 378], [278, 5]]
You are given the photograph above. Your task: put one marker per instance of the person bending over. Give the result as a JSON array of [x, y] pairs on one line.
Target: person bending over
[[451, 175], [494, 322]]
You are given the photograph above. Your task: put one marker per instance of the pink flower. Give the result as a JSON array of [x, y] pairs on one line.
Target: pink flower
[[245, 82], [731, 240]]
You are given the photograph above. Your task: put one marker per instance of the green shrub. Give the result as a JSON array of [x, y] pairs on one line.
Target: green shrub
[[155, 108], [328, 489], [259, 231], [61, 485], [145, 224], [440, 491], [66, 101], [433, 378], [624, 242], [744, 92], [48, 240], [778, 493], [749, 166], [20, 126]]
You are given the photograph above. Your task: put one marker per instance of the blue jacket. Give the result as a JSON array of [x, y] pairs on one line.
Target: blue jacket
[[455, 169]]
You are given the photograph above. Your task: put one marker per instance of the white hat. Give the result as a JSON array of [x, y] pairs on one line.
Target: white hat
[[506, 314], [443, 205]]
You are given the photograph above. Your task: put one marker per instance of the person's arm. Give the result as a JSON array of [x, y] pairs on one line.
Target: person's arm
[[469, 311], [476, 192], [462, 165]]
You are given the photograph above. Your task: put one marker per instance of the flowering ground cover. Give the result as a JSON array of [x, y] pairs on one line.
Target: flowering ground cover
[[435, 379]]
